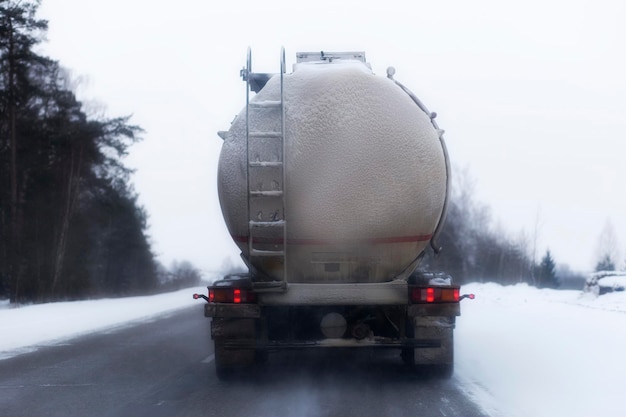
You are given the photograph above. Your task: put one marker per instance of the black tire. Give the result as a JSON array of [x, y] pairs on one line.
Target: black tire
[[444, 371], [224, 373], [408, 356], [222, 370], [262, 356]]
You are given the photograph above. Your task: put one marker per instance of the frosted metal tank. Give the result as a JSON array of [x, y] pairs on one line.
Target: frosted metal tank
[[365, 175]]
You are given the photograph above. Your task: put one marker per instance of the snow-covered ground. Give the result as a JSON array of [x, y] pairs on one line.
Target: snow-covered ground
[[520, 351], [532, 353], [26, 328]]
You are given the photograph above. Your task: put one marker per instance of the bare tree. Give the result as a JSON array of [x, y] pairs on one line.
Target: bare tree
[[522, 243], [607, 248]]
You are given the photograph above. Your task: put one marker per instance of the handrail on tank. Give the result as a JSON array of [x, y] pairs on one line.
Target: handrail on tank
[[434, 240]]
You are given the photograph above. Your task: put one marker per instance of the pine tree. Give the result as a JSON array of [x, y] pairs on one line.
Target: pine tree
[[547, 272], [66, 210], [19, 32]]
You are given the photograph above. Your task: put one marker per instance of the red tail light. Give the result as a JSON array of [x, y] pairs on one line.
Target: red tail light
[[231, 295], [434, 295]]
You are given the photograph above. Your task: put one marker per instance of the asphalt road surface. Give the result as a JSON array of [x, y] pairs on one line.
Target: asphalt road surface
[[165, 368]]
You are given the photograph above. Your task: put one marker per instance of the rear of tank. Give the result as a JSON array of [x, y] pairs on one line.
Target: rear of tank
[[365, 177], [365, 180]]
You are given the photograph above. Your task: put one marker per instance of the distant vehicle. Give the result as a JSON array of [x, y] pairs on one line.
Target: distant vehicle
[[333, 181], [604, 282]]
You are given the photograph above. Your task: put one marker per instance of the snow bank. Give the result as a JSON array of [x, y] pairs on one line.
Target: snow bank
[[528, 352], [603, 282], [26, 328]]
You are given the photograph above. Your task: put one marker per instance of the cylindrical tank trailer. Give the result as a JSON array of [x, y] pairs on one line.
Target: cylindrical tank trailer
[[332, 182], [365, 174]]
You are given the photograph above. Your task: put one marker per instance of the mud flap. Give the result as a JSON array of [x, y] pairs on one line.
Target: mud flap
[[234, 344], [437, 360]]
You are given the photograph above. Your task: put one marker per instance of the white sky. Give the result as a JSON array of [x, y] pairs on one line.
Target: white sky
[[531, 94]]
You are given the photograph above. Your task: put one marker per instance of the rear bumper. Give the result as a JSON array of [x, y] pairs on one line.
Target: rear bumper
[[383, 293], [254, 310], [332, 343], [437, 310]]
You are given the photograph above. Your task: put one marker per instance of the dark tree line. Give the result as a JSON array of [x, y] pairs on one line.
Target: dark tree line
[[70, 224], [474, 250]]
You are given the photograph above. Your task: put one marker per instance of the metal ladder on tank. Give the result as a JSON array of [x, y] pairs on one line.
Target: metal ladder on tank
[[272, 222]]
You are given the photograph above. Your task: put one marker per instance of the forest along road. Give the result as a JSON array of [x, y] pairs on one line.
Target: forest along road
[[165, 367]]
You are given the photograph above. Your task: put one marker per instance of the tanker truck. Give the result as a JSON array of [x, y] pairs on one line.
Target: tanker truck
[[332, 182]]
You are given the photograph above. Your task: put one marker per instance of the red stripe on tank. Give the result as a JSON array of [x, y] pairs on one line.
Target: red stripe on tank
[[312, 242]]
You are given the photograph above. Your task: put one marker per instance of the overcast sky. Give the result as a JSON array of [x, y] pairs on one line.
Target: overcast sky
[[532, 96]]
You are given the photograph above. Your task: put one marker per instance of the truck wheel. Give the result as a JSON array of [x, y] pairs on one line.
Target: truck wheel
[[223, 373], [262, 356], [444, 371], [408, 356]]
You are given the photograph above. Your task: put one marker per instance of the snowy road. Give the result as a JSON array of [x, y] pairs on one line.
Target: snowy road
[[165, 368], [520, 352]]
